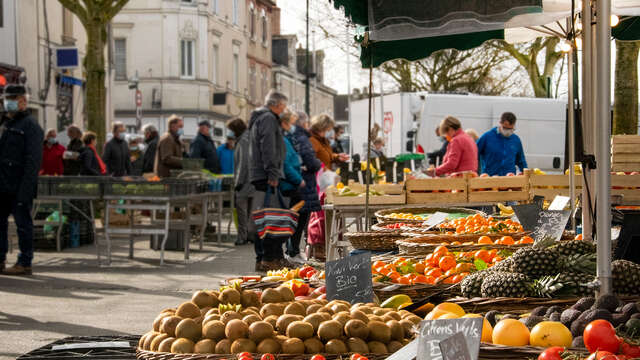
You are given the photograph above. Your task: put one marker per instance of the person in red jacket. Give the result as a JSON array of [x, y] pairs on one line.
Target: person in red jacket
[[52, 155], [462, 151]]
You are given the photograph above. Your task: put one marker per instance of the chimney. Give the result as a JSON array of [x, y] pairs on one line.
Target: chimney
[[275, 21]]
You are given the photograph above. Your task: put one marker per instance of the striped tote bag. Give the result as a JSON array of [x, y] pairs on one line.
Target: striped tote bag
[[275, 223]]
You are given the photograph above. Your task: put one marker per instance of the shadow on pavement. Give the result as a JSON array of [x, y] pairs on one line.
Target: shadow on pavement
[[11, 322]]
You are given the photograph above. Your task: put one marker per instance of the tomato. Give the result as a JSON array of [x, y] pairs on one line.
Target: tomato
[[307, 272], [245, 354], [601, 335], [603, 355], [632, 351], [357, 356], [267, 357], [552, 353], [318, 357]]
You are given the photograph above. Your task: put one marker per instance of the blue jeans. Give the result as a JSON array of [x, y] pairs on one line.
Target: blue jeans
[[24, 223]]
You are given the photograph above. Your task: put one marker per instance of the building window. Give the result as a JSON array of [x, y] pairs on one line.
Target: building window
[[265, 29], [252, 21], [215, 56], [253, 81], [236, 72], [236, 7], [120, 58], [187, 59], [187, 1]]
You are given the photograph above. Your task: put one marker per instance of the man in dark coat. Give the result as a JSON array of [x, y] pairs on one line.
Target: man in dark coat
[[203, 147], [20, 158], [170, 148], [151, 140], [116, 152]]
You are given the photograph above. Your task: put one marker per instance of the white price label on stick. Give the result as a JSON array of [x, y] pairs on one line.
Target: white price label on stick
[[436, 219], [559, 203]]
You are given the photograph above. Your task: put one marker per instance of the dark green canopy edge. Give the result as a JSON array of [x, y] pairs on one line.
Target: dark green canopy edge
[[356, 10], [627, 30]]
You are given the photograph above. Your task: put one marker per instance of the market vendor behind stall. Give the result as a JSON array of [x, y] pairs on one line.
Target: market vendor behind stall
[[462, 152]]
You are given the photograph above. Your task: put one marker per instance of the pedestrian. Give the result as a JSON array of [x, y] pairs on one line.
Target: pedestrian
[[243, 190], [136, 153], [267, 152], [299, 137], [92, 164], [500, 149], [170, 149], [151, 141], [473, 133], [52, 153], [320, 125], [435, 157], [21, 153], [462, 153], [116, 152], [292, 182], [203, 147], [72, 163], [336, 145], [225, 155]]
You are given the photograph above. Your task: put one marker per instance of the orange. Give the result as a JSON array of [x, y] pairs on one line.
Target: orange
[[506, 240], [378, 263], [510, 332], [483, 255], [550, 333], [440, 250], [455, 243], [419, 268], [527, 240], [463, 267], [399, 261], [578, 237], [487, 329], [404, 281], [394, 275], [448, 316], [434, 272], [430, 280], [484, 240], [451, 308], [435, 313], [456, 279], [447, 263]]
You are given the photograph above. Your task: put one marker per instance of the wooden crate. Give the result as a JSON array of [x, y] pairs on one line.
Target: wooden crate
[[500, 188], [628, 186], [394, 195], [551, 186], [436, 191], [625, 153]]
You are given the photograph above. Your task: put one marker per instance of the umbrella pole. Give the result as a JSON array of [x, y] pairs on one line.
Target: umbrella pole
[[587, 128], [572, 134], [603, 136], [367, 171]]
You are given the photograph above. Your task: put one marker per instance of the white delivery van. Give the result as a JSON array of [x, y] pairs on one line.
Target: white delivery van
[[541, 122]]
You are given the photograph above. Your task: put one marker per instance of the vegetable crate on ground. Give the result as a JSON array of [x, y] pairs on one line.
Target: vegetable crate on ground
[[436, 191], [499, 188], [625, 153], [46, 351], [628, 186], [76, 186], [392, 194], [144, 188], [550, 186]]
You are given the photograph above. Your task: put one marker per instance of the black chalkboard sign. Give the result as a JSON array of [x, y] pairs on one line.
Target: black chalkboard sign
[[455, 348], [432, 332], [527, 215], [550, 224], [350, 279]]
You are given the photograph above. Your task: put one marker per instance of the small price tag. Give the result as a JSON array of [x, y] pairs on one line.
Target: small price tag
[[559, 203], [436, 219]]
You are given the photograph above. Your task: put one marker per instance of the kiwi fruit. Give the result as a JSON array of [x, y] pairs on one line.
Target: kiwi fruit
[[357, 329], [169, 324], [270, 296], [271, 309], [295, 309], [394, 315], [260, 330], [365, 309], [379, 331], [202, 299], [407, 326], [357, 345], [328, 330], [376, 347], [272, 319], [236, 329], [394, 346], [339, 307], [182, 346], [342, 317], [284, 321], [335, 346], [281, 339], [155, 343], [189, 329], [268, 346], [313, 345], [300, 329], [165, 345], [414, 319], [325, 316], [213, 330], [314, 320], [242, 345], [293, 346], [188, 310], [325, 309], [249, 298], [247, 312], [397, 331], [223, 347], [286, 293], [204, 311], [205, 346], [250, 319], [404, 313], [212, 312], [375, 318], [230, 296], [230, 315], [381, 311], [312, 309], [359, 315]]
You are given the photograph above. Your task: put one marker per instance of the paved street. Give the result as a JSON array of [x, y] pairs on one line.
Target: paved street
[[68, 295]]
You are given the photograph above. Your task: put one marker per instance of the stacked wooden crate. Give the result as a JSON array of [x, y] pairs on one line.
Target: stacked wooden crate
[[625, 153], [437, 191], [500, 188], [550, 186], [394, 194]]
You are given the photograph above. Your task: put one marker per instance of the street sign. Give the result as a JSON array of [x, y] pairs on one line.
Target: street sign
[[67, 58], [388, 122], [138, 98]]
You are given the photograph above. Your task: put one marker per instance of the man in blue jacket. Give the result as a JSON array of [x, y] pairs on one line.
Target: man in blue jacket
[[225, 155], [500, 150]]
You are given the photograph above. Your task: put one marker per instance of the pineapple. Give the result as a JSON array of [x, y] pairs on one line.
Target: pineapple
[[568, 284], [574, 247], [585, 263], [536, 263], [503, 284], [472, 284], [626, 277], [502, 266]]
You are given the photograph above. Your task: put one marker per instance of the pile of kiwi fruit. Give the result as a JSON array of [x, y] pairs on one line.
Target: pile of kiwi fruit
[[273, 323]]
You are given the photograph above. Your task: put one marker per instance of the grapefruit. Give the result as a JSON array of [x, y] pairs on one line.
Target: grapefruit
[[550, 333], [510, 332]]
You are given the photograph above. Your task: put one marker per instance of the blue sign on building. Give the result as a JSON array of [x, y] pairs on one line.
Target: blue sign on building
[[67, 58]]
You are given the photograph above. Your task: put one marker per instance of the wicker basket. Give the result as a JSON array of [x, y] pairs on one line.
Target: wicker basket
[[379, 227], [419, 291], [491, 352], [518, 305], [382, 215], [374, 241], [427, 244], [150, 355]]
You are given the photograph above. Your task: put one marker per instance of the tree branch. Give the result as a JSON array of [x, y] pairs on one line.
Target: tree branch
[[75, 7]]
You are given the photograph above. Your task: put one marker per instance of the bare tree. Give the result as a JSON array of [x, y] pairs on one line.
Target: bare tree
[[95, 15]]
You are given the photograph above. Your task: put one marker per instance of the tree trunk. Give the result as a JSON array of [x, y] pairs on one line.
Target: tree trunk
[[625, 93], [94, 65]]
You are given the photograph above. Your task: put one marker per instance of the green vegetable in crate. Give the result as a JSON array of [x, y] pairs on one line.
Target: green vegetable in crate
[[346, 191]]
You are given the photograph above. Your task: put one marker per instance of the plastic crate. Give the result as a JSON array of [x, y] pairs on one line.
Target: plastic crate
[[71, 186], [192, 164], [46, 351], [143, 188], [44, 185]]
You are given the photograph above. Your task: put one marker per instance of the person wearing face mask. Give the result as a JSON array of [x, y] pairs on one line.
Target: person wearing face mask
[[116, 152], [52, 153], [500, 149], [336, 145], [225, 155], [462, 152], [136, 156], [72, 164], [151, 140], [21, 153], [170, 148], [320, 125]]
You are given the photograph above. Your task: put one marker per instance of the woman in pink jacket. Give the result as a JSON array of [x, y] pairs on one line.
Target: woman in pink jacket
[[462, 152]]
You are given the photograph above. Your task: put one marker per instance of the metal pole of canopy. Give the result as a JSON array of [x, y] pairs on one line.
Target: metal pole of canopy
[[367, 171], [572, 132], [587, 130], [348, 57], [603, 136]]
